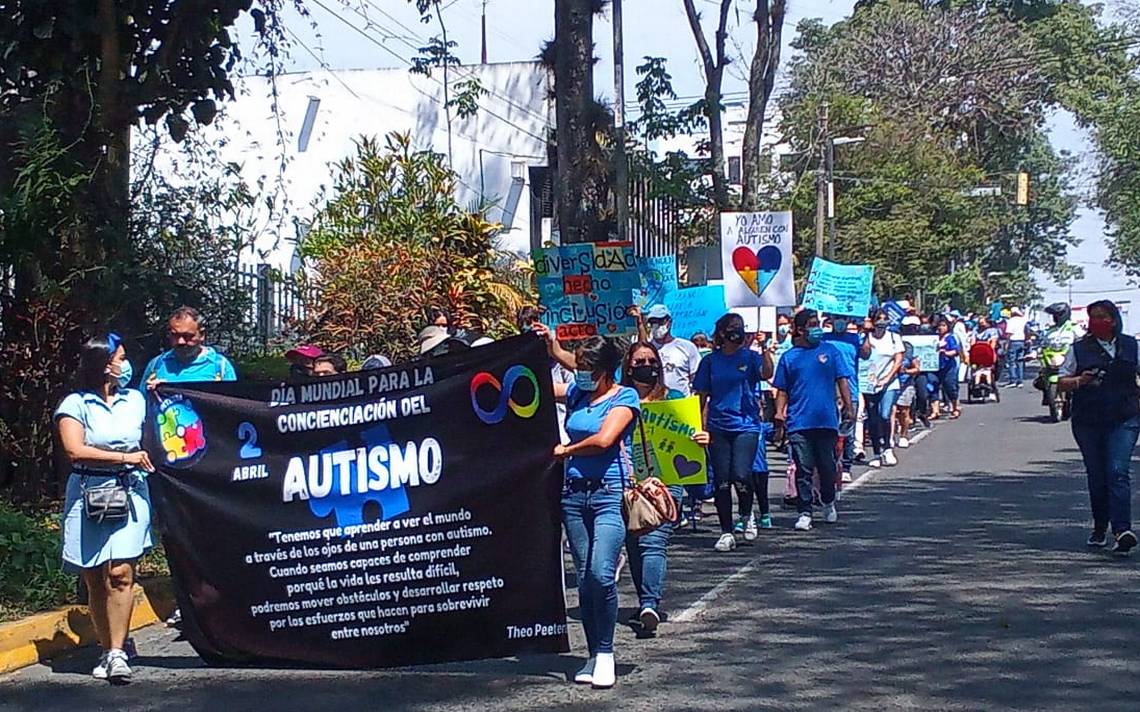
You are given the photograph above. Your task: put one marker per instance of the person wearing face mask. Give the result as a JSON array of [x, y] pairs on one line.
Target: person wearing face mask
[[852, 349], [809, 378], [188, 359], [727, 381], [1100, 373], [679, 357], [642, 370], [881, 390], [100, 428], [600, 417]]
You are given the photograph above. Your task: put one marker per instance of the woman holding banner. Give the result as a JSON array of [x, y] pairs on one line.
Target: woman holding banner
[[642, 370], [106, 513], [600, 417], [727, 381]]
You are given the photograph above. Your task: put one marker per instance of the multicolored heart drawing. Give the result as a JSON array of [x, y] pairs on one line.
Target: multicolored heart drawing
[[757, 269]]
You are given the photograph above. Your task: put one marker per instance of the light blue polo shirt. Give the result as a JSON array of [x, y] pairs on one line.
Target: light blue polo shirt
[[113, 426], [208, 366]]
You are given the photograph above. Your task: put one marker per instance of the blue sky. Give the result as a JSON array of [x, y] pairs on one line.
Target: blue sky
[[384, 33]]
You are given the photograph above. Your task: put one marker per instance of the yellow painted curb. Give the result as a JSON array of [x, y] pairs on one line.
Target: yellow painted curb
[[45, 635]]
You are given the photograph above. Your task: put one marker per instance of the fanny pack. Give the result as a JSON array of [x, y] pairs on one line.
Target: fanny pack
[[108, 500]]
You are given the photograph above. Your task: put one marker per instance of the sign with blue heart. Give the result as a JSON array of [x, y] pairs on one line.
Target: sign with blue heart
[[756, 250]]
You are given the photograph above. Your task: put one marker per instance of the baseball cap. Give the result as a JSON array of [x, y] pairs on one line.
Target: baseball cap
[[376, 361], [911, 320], [305, 351], [659, 311], [432, 336]]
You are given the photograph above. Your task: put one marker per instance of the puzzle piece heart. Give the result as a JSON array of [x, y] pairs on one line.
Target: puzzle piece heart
[[747, 265], [769, 258], [685, 467]]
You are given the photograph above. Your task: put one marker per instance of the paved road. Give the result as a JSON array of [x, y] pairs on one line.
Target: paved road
[[957, 580]]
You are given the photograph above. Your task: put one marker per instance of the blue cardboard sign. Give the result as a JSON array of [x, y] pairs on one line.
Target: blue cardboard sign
[[696, 309], [587, 289], [839, 289], [658, 278], [925, 349]]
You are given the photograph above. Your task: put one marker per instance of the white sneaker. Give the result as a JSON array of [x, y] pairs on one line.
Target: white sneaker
[[726, 542], [117, 668], [750, 530], [846, 477], [803, 524], [904, 443], [649, 619], [585, 676], [605, 673], [889, 458], [100, 671], [830, 513], [876, 463]]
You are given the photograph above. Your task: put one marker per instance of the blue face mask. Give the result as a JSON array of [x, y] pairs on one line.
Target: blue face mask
[[814, 335], [126, 372], [584, 380]]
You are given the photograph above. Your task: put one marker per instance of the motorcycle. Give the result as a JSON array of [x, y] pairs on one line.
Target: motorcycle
[[1052, 357]]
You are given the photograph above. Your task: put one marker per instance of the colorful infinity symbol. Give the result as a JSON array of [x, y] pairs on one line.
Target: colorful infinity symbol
[[505, 389]]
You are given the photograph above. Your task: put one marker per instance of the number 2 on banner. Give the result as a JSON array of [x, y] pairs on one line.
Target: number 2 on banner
[[249, 449]]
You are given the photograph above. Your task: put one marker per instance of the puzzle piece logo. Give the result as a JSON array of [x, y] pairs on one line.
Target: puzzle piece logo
[[180, 431], [349, 508]]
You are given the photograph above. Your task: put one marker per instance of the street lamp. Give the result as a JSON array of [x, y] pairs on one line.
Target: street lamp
[[832, 142]]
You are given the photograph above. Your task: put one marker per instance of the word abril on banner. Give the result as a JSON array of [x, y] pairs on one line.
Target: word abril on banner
[[384, 518], [839, 289], [588, 289], [756, 253]]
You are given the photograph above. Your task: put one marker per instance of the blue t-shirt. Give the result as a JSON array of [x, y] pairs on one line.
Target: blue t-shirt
[[584, 420], [208, 366], [730, 382], [948, 343], [848, 345], [808, 377]]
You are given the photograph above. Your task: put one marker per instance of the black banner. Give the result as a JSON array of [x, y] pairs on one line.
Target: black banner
[[381, 518]]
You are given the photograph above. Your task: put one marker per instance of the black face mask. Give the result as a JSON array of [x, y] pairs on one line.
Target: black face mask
[[734, 336], [299, 373], [647, 375]]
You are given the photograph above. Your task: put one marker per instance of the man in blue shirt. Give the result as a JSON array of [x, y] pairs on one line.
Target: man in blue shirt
[[189, 360], [808, 378]]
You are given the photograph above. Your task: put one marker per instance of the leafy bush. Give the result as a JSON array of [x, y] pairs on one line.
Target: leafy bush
[[31, 574]]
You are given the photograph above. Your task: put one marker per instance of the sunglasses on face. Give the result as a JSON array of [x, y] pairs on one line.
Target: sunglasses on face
[[644, 362]]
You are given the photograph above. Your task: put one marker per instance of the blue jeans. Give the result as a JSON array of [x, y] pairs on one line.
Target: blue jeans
[[596, 531], [812, 450], [948, 383], [1107, 451], [648, 561], [731, 456], [1014, 361], [879, 407]]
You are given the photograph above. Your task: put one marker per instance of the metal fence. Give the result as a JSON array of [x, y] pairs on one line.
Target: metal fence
[[277, 301]]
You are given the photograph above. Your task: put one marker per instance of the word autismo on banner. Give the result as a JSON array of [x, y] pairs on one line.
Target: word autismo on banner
[[362, 521], [756, 254], [588, 289]]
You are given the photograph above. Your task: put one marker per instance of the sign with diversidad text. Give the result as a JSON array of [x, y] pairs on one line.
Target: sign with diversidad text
[[588, 289], [394, 517], [833, 288], [756, 253]]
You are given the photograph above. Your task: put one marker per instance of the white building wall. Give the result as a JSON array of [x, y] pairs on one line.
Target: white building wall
[[490, 152]]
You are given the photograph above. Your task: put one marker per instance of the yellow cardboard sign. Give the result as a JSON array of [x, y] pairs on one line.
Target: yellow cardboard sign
[[669, 427]]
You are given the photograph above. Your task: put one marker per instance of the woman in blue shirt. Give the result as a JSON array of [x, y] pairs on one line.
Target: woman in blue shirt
[[948, 352], [642, 371], [100, 428], [727, 381], [600, 417]]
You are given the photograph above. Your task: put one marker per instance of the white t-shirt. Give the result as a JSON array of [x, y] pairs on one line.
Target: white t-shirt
[[560, 374], [679, 358], [882, 359], [1015, 327]]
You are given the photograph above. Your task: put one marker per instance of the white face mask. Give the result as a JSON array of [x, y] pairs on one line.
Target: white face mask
[[660, 332]]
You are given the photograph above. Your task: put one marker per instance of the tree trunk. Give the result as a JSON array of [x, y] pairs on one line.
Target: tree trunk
[[574, 89], [769, 17], [714, 79]]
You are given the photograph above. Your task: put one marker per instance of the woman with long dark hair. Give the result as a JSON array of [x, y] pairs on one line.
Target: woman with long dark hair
[[100, 427], [642, 371], [727, 381]]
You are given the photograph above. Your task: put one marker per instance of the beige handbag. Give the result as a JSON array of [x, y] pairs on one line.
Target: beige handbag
[[646, 504]]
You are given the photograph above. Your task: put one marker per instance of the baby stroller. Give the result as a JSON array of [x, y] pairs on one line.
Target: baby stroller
[[981, 379]]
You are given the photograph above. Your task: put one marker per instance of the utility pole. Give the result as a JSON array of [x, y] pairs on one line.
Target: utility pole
[[821, 181], [621, 169], [830, 167], [483, 54]]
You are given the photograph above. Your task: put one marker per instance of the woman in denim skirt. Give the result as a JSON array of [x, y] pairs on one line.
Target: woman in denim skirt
[[100, 426]]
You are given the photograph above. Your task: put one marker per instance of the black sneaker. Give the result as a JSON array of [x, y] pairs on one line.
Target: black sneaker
[[1125, 541], [1098, 539]]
